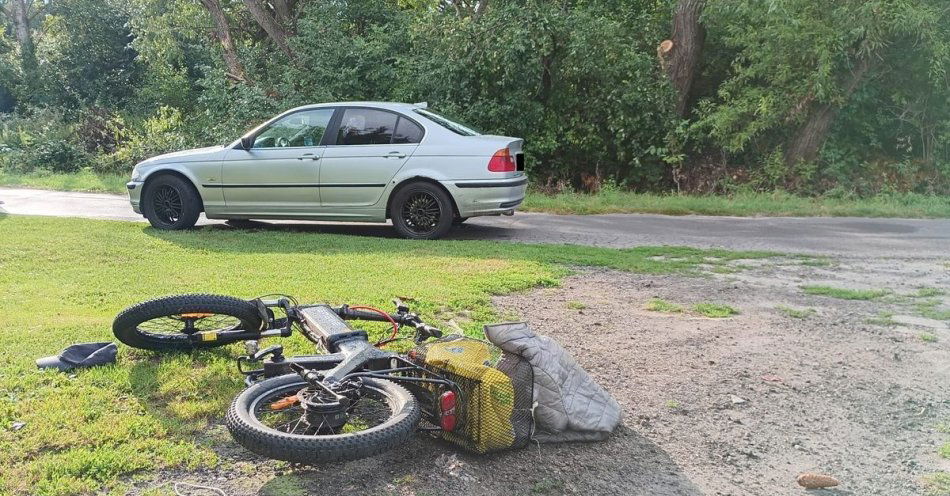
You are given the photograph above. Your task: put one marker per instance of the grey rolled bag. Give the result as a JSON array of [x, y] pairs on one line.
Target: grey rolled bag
[[568, 404]]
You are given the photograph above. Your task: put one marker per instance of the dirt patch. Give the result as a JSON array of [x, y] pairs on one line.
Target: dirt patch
[[736, 406]]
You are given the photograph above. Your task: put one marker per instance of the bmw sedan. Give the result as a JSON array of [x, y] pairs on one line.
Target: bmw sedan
[[353, 161]]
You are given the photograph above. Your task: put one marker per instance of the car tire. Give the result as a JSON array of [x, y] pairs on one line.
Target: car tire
[[422, 210], [171, 203], [458, 221]]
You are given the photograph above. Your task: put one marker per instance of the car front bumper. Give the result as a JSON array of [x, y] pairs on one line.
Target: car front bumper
[[488, 196], [135, 193]]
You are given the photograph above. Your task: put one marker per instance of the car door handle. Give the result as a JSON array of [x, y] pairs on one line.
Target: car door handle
[[310, 156], [395, 155]]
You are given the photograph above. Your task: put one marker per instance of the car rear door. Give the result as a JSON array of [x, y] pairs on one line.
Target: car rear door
[[280, 174], [369, 147]]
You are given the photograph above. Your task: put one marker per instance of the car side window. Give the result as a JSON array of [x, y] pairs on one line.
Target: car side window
[[407, 132], [304, 128], [360, 126]]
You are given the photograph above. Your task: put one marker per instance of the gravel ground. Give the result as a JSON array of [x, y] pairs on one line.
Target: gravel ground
[[735, 406]]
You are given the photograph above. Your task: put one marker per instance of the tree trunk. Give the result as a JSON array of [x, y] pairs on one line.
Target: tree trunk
[[274, 30], [805, 144], [19, 13], [222, 31], [480, 8], [285, 14], [680, 56]]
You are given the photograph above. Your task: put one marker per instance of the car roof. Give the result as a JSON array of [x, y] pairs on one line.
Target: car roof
[[383, 105]]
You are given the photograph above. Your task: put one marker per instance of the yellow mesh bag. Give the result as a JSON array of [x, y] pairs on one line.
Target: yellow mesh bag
[[494, 408]]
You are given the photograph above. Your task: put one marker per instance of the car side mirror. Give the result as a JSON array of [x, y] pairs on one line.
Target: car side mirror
[[247, 142]]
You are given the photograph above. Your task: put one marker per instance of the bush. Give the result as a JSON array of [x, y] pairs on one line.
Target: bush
[[40, 141], [161, 133]]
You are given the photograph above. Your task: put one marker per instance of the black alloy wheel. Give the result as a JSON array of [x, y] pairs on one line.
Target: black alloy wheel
[[170, 202], [167, 204], [422, 210], [421, 213]]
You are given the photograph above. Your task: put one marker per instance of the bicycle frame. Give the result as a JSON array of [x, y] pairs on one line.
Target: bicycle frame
[[350, 354]]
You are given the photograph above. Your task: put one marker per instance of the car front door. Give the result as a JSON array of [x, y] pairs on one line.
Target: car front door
[[280, 173], [370, 146]]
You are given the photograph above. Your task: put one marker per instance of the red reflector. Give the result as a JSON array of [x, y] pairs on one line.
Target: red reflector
[[502, 161], [447, 417]]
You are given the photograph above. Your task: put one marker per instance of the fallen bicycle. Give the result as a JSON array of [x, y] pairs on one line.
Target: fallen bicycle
[[358, 400]]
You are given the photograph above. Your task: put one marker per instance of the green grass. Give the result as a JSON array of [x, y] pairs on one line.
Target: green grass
[[931, 309], [926, 292], [928, 338], [576, 305], [844, 293], [739, 204], [796, 313], [660, 305], [714, 310], [882, 319], [63, 280], [812, 261], [944, 450], [79, 181], [938, 484]]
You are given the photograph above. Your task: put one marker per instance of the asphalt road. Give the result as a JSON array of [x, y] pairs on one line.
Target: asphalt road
[[849, 236]]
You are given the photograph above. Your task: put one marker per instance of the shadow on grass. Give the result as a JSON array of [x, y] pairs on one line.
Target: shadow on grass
[[185, 390], [476, 232], [336, 239]]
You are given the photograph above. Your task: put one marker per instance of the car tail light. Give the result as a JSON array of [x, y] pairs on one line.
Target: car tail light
[[502, 161], [447, 418]]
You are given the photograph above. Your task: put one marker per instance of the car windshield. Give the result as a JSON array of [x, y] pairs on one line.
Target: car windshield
[[451, 125]]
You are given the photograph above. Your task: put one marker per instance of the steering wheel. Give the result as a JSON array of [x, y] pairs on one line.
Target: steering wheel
[[281, 142]]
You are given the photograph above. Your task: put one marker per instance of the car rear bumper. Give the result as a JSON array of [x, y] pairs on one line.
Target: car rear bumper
[[135, 193], [487, 196]]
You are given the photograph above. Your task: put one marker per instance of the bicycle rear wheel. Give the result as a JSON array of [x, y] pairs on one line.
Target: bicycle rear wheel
[[169, 323]]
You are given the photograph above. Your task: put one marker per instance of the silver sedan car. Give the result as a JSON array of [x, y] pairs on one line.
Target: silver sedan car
[[350, 161]]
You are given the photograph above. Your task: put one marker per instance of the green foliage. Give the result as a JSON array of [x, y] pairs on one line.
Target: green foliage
[[42, 142], [577, 82], [580, 81], [881, 67], [154, 135], [85, 54]]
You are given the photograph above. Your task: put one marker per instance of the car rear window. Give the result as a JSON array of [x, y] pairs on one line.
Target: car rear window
[[447, 123], [407, 132]]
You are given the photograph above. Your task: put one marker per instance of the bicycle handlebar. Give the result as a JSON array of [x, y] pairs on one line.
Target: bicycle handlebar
[[401, 318]]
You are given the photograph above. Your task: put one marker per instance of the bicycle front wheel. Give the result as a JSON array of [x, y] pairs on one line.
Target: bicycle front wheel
[[272, 418], [169, 323]]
